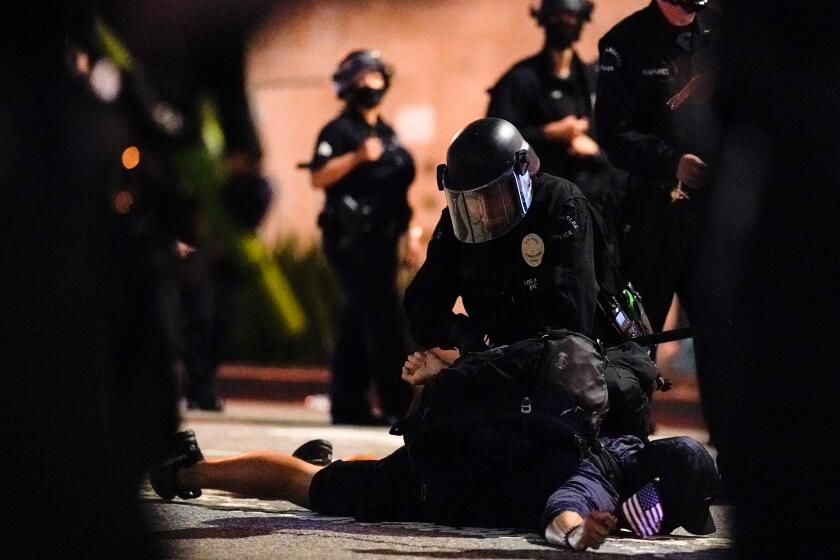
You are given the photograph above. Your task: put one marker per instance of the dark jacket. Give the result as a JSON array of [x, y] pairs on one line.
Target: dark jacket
[[507, 298], [644, 61]]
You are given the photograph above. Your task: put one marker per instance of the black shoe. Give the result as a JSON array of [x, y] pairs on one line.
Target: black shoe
[[318, 452], [183, 452], [213, 404]]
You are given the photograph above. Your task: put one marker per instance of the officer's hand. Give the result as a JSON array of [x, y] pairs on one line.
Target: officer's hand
[[183, 250], [411, 250], [692, 172], [371, 149], [583, 146], [596, 527], [566, 128], [421, 366], [698, 90]]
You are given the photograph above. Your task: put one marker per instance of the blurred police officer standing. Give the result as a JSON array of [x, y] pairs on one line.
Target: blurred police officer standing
[[93, 106], [549, 96], [655, 84], [366, 173], [655, 122]]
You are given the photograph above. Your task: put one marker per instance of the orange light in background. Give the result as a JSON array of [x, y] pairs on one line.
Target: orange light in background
[[131, 157], [123, 201]]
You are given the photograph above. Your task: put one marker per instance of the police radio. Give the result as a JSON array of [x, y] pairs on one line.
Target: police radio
[[626, 313]]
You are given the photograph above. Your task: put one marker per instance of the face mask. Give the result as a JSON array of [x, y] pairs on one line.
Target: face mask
[[691, 6], [560, 36], [365, 97]]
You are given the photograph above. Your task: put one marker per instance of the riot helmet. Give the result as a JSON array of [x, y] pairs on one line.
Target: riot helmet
[[562, 20], [692, 6], [487, 179], [351, 68]]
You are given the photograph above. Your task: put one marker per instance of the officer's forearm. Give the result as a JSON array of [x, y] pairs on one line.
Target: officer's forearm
[[335, 169], [644, 155]]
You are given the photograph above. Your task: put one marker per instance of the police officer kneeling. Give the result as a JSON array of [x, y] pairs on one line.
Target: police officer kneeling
[[526, 252], [508, 435]]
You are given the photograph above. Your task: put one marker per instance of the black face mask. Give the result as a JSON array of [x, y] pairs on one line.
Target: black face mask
[[365, 97], [692, 6], [560, 36]]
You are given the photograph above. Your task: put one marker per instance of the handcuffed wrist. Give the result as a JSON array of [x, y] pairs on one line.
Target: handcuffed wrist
[[573, 536]]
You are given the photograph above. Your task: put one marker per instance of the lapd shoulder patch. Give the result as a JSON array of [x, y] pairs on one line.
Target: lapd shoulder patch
[[610, 60], [533, 249], [566, 227], [325, 149]]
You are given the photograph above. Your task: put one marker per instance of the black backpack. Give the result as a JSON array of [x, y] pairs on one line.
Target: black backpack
[[554, 381]]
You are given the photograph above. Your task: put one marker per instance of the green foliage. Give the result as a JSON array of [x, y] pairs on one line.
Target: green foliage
[[258, 336]]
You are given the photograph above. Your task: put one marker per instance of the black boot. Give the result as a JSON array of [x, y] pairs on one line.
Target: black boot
[[317, 452], [183, 452]]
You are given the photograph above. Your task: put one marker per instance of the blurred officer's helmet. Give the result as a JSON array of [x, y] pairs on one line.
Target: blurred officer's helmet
[[562, 20], [351, 68], [549, 9], [487, 179]]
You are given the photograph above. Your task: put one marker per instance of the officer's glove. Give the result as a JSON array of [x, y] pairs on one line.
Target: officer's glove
[[466, 335]]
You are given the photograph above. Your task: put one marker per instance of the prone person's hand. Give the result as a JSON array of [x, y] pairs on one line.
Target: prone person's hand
[[371, 149], [597, 526], [566, 128], [419, 367]]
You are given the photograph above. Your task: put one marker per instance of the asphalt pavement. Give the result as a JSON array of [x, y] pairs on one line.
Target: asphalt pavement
[[221, 525]]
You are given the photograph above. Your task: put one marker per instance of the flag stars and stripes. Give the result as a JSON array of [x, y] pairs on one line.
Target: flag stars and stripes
[[643, 511]]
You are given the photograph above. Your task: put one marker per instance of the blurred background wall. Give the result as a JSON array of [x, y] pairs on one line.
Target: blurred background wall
[[446, 53]]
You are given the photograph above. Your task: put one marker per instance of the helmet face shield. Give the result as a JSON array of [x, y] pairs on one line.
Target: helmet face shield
[[491, 210]]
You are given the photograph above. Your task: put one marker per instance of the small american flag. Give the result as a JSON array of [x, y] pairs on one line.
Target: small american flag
[[643, 511]]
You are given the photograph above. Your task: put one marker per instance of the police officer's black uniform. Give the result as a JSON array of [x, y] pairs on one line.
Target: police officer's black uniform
[[644, 62], [531, 95], [365, 214], [540, 274]]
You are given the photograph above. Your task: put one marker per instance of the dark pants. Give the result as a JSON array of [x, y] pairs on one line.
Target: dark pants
[[666, 250], [657, 251], [209, 292], [371, 341]]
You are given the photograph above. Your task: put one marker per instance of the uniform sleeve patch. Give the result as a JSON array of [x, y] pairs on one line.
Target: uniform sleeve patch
[[610, 60], [567, 227], [325, 149]]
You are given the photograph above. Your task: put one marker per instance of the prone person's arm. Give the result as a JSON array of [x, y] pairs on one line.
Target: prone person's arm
[[572, 530], [420, 367]]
